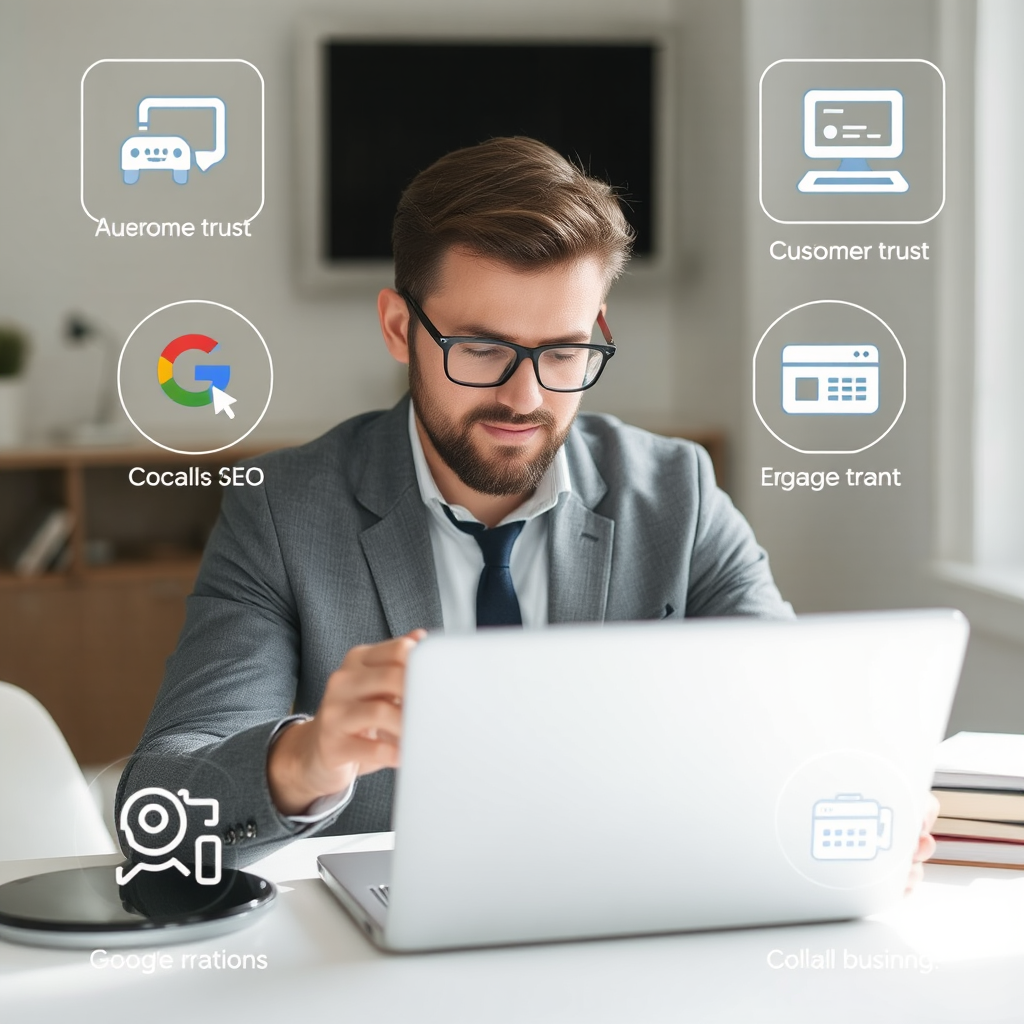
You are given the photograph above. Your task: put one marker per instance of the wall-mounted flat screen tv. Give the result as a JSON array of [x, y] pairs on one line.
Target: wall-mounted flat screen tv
[[390, 108]]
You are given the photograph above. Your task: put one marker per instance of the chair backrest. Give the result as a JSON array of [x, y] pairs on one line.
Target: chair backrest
[[46, 809]]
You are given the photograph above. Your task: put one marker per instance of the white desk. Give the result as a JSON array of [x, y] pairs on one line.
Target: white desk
[[320, 968]]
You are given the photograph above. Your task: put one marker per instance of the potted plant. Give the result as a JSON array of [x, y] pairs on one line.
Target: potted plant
[[13, 353]]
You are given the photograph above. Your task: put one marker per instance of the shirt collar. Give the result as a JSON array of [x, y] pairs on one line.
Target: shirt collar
[[553, 484]]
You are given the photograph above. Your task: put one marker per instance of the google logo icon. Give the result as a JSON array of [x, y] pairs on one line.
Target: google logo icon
[[216, 375], [200, 348]]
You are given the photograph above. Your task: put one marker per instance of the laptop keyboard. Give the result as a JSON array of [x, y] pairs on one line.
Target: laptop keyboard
[[381, 892]]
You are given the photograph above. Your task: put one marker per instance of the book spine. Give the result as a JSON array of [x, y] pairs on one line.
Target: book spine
[[44, 543]]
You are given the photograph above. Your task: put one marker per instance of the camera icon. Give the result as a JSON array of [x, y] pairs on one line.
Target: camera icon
[[162, 821]]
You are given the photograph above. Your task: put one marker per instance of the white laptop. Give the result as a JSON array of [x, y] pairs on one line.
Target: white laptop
[[585, 781]]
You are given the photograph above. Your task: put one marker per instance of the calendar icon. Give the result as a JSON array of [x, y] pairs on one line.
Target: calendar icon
[[850, 827]]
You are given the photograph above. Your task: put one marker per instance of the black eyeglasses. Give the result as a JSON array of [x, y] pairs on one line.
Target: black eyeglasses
[[487, 362]]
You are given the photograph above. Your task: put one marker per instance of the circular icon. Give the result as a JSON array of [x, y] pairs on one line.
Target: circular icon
[[153, 819], [141, 826], [843, 820], [213, 377], [829, 378]]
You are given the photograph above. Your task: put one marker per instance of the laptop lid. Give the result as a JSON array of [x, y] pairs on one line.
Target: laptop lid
[[606, 780]]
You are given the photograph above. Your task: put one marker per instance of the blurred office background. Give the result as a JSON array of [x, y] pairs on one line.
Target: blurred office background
[[687, 328]]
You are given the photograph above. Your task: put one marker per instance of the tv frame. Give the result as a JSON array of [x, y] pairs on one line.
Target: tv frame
[[315, 275]]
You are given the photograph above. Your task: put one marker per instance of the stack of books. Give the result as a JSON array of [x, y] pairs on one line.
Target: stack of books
[[979, 782], [43, 545]]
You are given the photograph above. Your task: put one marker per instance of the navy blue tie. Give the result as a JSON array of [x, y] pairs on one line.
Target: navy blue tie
[[496, 601]]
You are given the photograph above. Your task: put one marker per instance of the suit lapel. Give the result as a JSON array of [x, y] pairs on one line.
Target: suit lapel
[[579, 543], [397, 548], [580, 546], [401, 560]]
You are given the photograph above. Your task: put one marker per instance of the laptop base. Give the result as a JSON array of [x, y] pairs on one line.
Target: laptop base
[[853, 181], [355, 880]]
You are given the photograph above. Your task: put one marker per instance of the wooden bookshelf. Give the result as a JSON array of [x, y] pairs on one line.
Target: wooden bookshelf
[[90, 641]]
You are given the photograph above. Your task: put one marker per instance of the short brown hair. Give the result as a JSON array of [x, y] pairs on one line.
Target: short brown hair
[[514, 200]]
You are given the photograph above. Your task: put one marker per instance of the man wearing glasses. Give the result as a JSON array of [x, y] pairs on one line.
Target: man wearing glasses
[[479, 500]]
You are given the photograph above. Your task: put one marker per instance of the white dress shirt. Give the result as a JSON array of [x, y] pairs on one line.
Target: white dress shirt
[[458, 562]]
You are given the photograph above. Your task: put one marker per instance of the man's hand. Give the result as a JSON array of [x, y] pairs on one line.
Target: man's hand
[[925, 844], [355, 731]]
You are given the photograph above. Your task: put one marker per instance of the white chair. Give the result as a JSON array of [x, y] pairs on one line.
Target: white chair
[[46, 809]]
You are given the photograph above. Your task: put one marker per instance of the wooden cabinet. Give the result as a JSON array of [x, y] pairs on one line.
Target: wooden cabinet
[[91, 648], [90, 641]]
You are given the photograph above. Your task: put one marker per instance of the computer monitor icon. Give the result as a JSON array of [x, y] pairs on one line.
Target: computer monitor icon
[[853, 126]]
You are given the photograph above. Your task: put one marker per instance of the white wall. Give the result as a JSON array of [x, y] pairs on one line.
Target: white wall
[[328, 355], [686, 343], [862, 549], [844, 548]]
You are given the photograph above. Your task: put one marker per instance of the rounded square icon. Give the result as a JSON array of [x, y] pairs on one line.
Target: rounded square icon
[[172, 142], [852, 141]]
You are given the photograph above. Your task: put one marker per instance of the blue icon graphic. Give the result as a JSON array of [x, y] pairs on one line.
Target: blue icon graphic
[[853, 126], [171, 152], [850, 827], [156, 153], [830, 380]]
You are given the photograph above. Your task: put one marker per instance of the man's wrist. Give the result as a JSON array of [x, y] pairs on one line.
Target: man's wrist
[[293, 777], [286, 772]]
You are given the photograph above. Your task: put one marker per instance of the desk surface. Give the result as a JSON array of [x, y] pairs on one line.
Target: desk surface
[[967, 925]]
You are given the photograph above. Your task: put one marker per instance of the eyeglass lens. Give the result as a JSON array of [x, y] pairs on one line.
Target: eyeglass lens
[[559, 369]]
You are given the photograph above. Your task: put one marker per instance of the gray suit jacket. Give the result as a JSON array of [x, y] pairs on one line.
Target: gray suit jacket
[[334, 550]]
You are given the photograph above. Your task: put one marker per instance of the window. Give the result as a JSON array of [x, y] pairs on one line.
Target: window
[[998, 540]]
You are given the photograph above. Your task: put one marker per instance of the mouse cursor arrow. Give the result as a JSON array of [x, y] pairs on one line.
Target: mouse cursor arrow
[[222, 402]]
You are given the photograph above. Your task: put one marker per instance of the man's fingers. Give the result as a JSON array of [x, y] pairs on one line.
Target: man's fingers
[[392, 652], [926, 843], [388, 652], [372, 755], [358, 726], [916, 874], [374, 680], [342, 729], [926, 847], [379, 715], [366, 683]]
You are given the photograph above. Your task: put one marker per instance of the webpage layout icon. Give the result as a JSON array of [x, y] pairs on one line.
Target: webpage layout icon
[[853, 126], [830, 380], [850, 827]]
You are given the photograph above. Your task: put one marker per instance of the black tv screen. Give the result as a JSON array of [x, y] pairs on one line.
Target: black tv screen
[[393, 108]]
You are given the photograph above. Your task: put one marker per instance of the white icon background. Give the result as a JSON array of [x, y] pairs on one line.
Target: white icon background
[[830, 380]]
